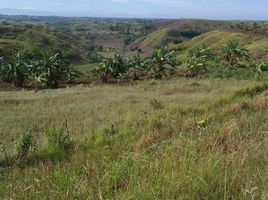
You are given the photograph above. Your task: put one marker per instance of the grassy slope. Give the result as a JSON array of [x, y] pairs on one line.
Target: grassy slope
[[156, 153], [215, 39], [156, 38], [152, 40]]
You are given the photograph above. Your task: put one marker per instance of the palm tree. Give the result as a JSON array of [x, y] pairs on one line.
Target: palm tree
[[233, 53]]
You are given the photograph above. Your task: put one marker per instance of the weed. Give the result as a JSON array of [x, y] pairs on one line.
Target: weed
[[59, 139], [156, 104], [24, 146]]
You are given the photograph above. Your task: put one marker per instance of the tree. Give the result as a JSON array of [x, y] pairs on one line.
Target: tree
[[233, 53], [197, 60], [161, 62]]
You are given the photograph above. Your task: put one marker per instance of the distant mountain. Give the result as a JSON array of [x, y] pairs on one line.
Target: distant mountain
[[15, 11]]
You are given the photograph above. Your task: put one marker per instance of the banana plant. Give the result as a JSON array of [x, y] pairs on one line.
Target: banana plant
[[137, 67], [118, 64], [16, 70], [197, 61], [161, 62], [104, 70], [259, 68], [37, 79], [55, 68], [233, 53]]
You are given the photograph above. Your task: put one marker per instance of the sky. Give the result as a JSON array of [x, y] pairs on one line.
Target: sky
[[206, 9]]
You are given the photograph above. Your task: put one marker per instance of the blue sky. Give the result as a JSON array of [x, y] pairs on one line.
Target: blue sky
[[210, 9]]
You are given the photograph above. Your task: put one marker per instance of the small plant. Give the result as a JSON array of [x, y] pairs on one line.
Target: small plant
[[259, 68], [156, 104], [24, 146], [111, 131], [57, 138]]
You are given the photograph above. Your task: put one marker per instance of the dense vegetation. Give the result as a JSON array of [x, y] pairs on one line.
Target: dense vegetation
[[50, 69]]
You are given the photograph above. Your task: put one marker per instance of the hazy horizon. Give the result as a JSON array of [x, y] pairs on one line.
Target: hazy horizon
[[174, 9]]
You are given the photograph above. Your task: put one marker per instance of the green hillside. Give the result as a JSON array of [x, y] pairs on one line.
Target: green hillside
[[215, 39], [151, 41]]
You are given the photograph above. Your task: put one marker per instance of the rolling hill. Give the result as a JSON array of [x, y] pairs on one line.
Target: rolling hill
[[16, 37], [215, 39], [175, 31]]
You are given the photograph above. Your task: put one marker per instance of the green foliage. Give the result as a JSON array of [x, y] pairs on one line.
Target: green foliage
[[233, 53], [49, 69], [16, 70], [104, 70], [55, 68], [259, 68], [137, 67], [198, 60], [180, 35], [161, 62], [233, 73], [116, 67]]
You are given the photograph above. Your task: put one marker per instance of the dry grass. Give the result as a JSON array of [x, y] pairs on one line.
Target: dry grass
[[207, 142]]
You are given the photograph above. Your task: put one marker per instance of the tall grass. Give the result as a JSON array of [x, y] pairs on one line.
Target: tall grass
[[205, 142]]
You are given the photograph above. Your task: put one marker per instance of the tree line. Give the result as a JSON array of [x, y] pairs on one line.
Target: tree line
[[164, 62], [51, 68], [48, 68]]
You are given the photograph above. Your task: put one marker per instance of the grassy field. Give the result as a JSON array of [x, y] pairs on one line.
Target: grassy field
[[172, 139]]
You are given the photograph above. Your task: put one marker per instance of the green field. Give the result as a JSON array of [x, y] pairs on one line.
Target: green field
[[173, 139]]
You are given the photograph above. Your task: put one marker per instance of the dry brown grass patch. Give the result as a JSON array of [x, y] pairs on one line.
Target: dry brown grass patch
[[189, 125], [235, 108], [261, 103], [146, 140]]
